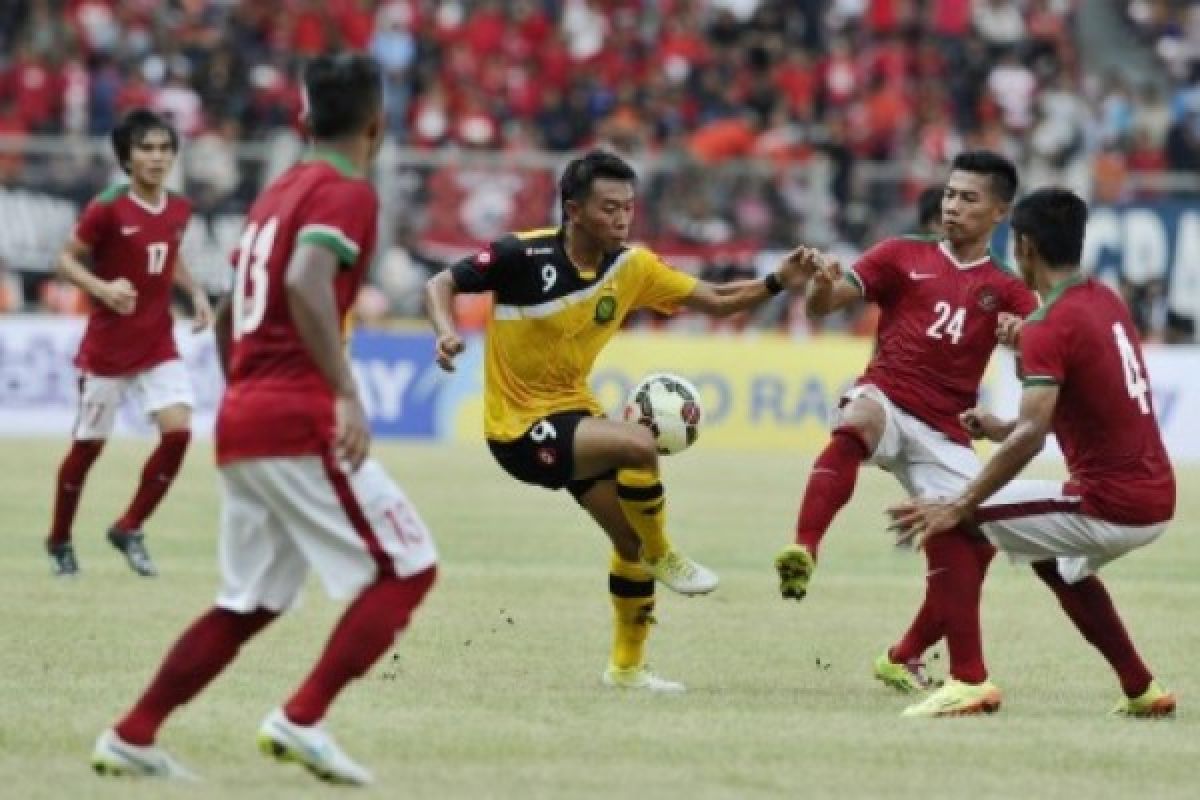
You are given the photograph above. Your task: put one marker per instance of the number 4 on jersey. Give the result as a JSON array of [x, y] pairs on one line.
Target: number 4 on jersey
[[250, 277], [950, 320], [1135, 381]]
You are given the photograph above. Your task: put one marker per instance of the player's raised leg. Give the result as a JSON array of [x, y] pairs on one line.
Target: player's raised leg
[[603, 445], [830, 486], [164, 392], [631, 590]]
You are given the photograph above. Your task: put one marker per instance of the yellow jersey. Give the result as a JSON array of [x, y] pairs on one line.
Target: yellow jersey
[[550, 320]]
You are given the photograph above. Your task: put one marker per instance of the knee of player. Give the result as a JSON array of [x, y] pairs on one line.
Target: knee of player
[[641, 449]]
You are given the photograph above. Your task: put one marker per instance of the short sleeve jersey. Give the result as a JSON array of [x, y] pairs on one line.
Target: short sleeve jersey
[[1084, 341], [132, 239], [937, 325], [277, 402], [550, 320]]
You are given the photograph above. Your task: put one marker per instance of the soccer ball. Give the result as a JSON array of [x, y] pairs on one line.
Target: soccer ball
[[670, 407]]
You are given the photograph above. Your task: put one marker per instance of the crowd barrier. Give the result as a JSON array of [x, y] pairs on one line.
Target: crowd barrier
[[759, 391]]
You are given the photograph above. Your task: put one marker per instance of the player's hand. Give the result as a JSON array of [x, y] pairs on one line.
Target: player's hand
[[982, 424], [798, 266], [119, 295], [829, 271], [353, 435], [448, 346], [1008, 329], [202, 313], [915, 521]]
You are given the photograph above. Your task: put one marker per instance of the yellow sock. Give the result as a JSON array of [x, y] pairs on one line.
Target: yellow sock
[[641, 496], [632, 592]]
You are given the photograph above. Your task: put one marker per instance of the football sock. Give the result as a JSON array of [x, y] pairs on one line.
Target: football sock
[[632, 592], [1090, 607], [199, 655], [365, 632], [927, 626], [954, 587], [830, 485], [160, 470], [641, 496], [69, 488]]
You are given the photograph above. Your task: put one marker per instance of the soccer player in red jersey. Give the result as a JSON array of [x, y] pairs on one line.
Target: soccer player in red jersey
[[132, 234], [943, 302], [1085, 380], [298, 490]]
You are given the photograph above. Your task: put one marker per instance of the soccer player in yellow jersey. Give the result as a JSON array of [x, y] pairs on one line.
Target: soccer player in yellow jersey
[[560, 295]]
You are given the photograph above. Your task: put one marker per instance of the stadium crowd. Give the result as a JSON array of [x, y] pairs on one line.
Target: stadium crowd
[[879, 94]]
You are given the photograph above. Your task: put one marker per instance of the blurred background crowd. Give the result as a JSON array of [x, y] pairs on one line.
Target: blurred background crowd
[[756, 123]]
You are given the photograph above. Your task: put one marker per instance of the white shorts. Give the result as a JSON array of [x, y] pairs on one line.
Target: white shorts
[[1036, 521], [281, 515], [926, 462], [163, 385]]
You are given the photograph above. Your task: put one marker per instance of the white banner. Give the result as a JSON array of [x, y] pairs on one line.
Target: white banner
[[39, 385], [1174, 381]]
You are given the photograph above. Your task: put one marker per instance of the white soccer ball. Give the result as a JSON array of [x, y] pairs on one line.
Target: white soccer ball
[[670, 407]]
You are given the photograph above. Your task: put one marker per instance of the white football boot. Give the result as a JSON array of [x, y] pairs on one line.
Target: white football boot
[[312, 748], [640, 678], [112, 755]]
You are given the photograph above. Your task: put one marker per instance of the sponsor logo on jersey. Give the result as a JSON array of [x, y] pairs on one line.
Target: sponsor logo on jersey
[[606, 309], [987, 298], [130, 230], [547, 456], [920, 276], [539, 251]]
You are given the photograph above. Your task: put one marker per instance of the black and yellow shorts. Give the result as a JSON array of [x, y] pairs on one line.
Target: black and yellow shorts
[[544, 455]]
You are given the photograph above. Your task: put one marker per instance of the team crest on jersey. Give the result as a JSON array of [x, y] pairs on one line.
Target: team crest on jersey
[[547, 456], [606, 309], [988, 299], [484, 259]]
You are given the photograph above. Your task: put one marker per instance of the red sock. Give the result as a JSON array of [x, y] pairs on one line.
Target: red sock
[[157, 475], [955, 586], [198, 656], [1089, 606], [71, 475], [363, 634], [928, 626], [830, 485]]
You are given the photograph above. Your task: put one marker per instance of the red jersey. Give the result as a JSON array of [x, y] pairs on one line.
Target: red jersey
[[1084, 341], [130, 239], [277, 403], [937, 325]]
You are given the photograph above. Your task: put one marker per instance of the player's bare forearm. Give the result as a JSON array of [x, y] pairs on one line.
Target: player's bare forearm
[[71, 268], [723, 299], [439, 303], [824, 298], [183, 277], [1026, 437], [309, 286], [223, 331]]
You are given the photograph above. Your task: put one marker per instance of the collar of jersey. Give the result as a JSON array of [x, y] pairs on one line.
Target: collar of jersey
[[1059, 288], [944, 246], [551, 307], [335, 160], [158, 209]]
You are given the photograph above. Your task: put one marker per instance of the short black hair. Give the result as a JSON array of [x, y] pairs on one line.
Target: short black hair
[[341, 91], [929, 206], [577, 179], [133, 127], [1055, 220], [1001, 172]]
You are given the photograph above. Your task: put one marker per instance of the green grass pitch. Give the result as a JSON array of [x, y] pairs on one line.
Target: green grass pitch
[[494, 692]]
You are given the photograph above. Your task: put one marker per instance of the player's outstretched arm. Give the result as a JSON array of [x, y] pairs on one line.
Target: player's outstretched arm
[[721, 300], [439, 306], [917, 520], [119, 295], [309, 286], [829, 290], [202, 313]]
